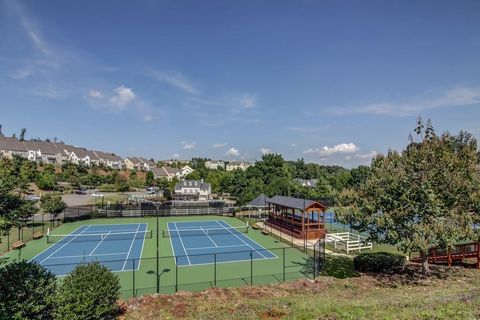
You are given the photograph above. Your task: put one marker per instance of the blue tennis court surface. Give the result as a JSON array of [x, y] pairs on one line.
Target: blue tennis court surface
[[205, 242], [113, 245]]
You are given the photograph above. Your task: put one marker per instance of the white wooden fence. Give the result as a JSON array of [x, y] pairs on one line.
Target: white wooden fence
[[348, 241]]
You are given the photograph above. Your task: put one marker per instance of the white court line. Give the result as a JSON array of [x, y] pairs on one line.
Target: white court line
[[181, 241], [131, 246], [96, 255], [143, 244], [220, 247], [99, 244], [243, 240], [229, 261], [208, 237], [53, 245], [64, 245]]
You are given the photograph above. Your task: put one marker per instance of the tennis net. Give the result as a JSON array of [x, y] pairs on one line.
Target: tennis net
[[107, 236], [184, 232]]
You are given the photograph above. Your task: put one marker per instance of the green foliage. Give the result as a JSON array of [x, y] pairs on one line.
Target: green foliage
[[27, 291], [426, 196], [52, 204], [381, 262], [45, 180], [149, 178], [89, 292]]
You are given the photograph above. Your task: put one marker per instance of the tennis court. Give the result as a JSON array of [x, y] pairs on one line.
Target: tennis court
[[117, 246], [212, 241]]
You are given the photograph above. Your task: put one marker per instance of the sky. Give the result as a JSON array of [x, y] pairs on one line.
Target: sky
[[333, 82]]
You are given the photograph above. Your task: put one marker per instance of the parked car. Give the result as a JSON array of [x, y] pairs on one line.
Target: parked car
[[32, 197], [80, 191], [97, 194]]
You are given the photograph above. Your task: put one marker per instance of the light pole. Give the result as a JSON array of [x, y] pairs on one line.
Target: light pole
[[157, 206]]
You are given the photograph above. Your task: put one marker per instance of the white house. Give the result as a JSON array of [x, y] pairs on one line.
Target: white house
[[238, 165], [110, 160], [214, 164], [186, 170], [192, 190]]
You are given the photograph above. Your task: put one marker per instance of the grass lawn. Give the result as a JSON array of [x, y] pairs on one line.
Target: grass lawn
[[448, 294], [190, 278]]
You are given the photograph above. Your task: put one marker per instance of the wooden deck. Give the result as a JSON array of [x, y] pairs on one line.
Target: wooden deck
[[458, 253]]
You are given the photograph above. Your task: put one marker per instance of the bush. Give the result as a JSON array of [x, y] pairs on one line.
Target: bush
[[89, 292], [27, 291], [384, 262]]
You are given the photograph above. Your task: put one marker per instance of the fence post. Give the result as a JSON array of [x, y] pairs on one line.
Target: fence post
[[176, 273], [133, 276], [214, 269], [314, 261], [43, 224], [283, 264], [251, 267], [8, 241]]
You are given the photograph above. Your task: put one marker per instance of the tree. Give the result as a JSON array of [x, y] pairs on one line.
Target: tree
[[45, 180], [23, 131], [424, 197], [11, 202], [22, 214], [89, 292], [27, 291], [52, 204], [149, 178], [1, 133]]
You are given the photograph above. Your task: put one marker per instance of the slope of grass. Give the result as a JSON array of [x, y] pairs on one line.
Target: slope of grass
[[448, 294]]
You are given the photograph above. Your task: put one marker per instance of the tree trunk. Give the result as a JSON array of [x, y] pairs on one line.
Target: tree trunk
[[425, 266]]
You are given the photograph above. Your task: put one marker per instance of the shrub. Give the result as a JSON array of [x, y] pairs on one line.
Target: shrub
[[378, 262], [27, 291], [89, 292]]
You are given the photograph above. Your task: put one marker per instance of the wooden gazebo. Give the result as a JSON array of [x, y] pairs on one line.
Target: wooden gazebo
[[300, 218]]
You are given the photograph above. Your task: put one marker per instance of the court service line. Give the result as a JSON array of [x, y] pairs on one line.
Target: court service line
[[131, 246], [99, 243], [181, 242], [96, 255], [54, 245], [242, 240], [65, 244], [208, 236], [220, 247]]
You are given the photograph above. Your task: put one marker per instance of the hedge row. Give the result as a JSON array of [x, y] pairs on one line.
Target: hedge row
[[384, 262]]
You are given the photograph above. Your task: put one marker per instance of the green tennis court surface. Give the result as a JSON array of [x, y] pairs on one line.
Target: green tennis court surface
[[138, 273]]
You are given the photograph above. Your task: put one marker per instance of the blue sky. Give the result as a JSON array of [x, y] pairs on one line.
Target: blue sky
[[330, 81]]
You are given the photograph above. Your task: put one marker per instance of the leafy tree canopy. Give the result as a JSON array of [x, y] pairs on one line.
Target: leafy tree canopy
[[423, 197]]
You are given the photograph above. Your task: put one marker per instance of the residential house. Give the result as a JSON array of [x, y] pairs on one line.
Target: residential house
[[167, 172], [215, 164], [196, 190], [10, 147], [147, 165], [238, 165], [185, 171], [310, 183], [109, 160], [133, 163]]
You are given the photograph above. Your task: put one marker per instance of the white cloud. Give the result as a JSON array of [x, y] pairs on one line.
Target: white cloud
[[337, 149], [219, 145], [95, 94], [265, 151], [293, 145], [456, 97], [369, 155], [248, 101], [121, 97], [188, 145], [177, 80], [232, 152], [24, 73], [176, 156]]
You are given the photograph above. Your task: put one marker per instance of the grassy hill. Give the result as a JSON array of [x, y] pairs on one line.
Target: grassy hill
[[447, 294]]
